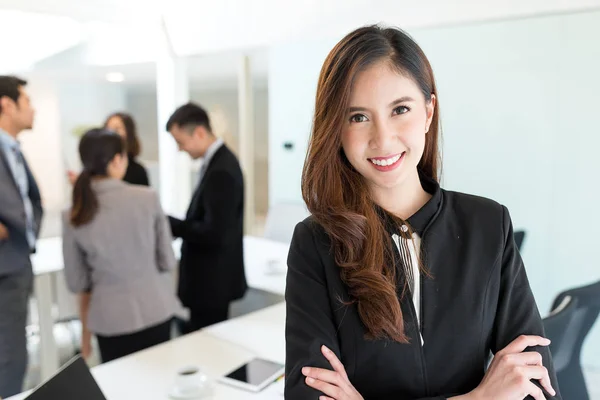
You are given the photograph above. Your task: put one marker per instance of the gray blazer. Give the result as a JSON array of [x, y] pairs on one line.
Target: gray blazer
[[15, 251], [120, 257]]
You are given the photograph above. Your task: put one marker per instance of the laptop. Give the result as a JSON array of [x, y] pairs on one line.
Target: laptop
[[73, 381]]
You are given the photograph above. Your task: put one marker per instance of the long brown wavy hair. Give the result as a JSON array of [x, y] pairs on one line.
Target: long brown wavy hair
[[338, 196]]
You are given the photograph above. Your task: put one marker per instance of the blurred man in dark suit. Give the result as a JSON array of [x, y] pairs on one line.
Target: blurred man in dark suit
[[211, 271]]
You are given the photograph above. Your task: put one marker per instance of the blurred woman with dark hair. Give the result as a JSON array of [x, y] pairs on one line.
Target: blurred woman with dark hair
[[124, 125], [116, 247]]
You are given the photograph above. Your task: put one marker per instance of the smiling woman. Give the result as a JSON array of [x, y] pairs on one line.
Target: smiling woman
[[396, 288]]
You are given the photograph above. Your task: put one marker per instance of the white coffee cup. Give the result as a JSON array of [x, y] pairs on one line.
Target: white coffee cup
[[190, 380]]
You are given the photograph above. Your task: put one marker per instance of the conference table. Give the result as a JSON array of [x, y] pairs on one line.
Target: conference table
[[216, 350], [265, 267]]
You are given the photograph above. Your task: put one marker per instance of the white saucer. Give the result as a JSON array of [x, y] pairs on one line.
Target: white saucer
[[200, 393]]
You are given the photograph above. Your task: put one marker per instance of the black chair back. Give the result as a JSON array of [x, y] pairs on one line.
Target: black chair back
[[519, 238], [574, 313]]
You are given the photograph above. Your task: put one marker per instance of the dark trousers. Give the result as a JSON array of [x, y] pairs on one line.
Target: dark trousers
[[203, 317], [113, 347], [14, 293]]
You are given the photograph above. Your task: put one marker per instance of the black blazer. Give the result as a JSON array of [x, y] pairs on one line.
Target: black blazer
[[136, 174], [212, 254], [477, 301]]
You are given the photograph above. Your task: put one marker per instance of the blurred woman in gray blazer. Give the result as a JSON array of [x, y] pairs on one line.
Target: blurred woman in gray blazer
[[116, 247]]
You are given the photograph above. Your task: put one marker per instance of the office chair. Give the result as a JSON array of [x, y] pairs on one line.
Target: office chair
[[574, 313]]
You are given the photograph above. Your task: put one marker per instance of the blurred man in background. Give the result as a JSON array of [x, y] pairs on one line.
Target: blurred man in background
[[20, 218], [211, 269]]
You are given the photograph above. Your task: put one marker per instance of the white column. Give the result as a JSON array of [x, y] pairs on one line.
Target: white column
[[172, 91], [44, 153], [49, 361], [246, 135]]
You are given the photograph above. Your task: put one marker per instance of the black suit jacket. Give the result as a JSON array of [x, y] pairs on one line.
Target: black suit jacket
[[476, 300], [136, 173], [212, 255]]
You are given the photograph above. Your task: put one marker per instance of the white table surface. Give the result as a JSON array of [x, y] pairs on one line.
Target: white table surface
[[265, 261], [265, 266], [218, 350]]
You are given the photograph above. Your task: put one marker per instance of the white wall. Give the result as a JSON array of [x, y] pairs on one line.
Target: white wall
[[141, 104], [42, 148], [85, 105], [293, 74], [518, 105]]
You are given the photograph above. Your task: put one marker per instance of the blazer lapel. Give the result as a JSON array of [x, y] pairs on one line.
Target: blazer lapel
[[7, 167], [34, 191], [201, 184]]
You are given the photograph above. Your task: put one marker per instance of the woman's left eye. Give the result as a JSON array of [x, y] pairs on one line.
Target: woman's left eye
[[401, 110]]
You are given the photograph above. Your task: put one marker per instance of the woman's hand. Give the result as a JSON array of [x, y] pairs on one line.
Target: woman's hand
[[509, 376], [86, 344], [3, 232], [335, 384]]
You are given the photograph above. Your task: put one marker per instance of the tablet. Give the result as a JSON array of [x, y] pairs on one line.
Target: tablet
[[255, 375]]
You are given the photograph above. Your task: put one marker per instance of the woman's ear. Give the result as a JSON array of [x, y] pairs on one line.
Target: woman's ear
[[430, 108], [123, 160], [117, 160], [117, 166]]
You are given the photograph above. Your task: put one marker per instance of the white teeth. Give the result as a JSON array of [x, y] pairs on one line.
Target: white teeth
[[386, 162]]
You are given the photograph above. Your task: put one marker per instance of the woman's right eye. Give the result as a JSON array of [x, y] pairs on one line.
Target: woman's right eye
[[358, 118]]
